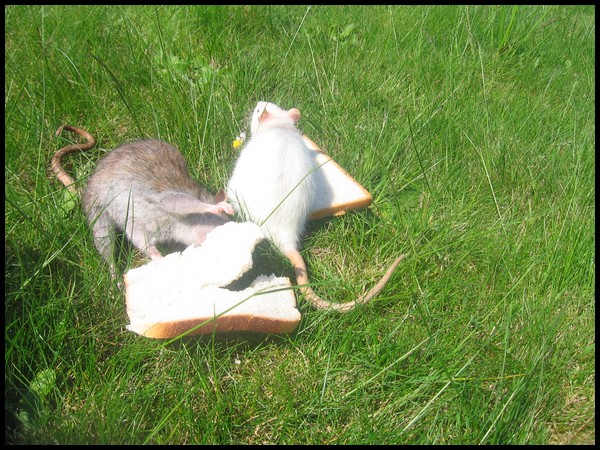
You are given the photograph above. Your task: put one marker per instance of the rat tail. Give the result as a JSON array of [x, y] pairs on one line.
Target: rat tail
[[317, 302], [55, 163]]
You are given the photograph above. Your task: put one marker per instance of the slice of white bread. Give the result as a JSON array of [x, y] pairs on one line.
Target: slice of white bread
[[338, 192], [175, 294], [209, 309]]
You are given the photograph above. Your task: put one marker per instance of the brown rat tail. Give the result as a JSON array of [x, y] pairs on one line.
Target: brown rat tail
[[317, 302], [56, 165]]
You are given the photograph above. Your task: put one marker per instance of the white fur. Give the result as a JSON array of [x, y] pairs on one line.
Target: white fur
[[273, 182]]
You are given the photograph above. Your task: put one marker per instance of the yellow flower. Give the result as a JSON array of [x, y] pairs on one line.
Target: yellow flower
[[239, 140]]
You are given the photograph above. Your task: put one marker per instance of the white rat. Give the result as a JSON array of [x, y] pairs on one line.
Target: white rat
[[144, 190], [273, 185]]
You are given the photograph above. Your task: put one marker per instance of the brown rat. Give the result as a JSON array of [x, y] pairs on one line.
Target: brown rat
[[144, 190], [273, 184]]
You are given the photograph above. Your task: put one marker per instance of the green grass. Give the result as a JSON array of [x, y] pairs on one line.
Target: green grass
[[473, 128]]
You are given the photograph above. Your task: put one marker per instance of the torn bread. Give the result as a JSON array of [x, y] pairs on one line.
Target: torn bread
[[338, 192], [267, 306], [183, 292]]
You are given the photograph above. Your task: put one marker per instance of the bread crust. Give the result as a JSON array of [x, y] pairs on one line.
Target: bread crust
[[347, 193], [223, 324]]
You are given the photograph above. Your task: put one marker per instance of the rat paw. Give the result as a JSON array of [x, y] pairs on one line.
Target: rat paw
[[222, 207]]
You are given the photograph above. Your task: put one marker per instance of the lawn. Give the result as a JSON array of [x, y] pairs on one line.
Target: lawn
[[472, 126]]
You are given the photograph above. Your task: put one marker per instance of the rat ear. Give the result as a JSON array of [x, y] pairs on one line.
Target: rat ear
[[264, 115], [294, 114], [220, 196]]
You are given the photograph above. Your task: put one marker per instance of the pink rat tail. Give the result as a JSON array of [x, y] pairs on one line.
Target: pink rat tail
[[56, 164], [317, 302]]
